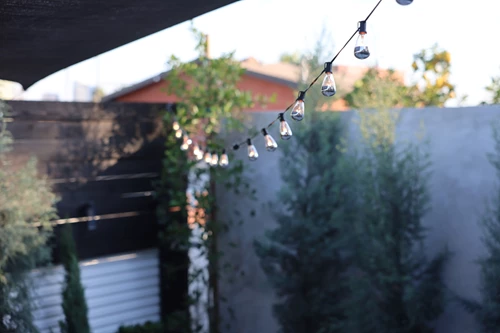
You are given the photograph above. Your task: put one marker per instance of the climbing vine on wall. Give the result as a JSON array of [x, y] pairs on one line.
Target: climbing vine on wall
[[209, 105]]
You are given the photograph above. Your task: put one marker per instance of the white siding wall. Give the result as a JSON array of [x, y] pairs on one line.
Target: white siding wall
[[120, 290], [199, 260]]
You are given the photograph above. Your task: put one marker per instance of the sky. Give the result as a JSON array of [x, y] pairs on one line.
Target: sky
[[265, 29]]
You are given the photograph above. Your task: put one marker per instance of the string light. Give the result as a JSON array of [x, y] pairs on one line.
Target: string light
[[297, 108], [208, 157], [215, 159], [328, 87], [198, 154], [224, 160], [361, 49], [175, 125], [252, 151], [186, 141], [271, 144], [285, 131]]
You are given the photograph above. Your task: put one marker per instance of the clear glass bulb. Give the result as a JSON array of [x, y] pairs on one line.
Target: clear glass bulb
[[215, 159], [175, 125], [404, 2], [361, 50], [298, 110], [186, 141], [285, 130], [271, 144], [208, 157], [328, 87], [198, 154], [224, 160], [178, 133], [252, 151]]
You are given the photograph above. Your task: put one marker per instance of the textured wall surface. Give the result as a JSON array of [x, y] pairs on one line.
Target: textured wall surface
[[462, 182]]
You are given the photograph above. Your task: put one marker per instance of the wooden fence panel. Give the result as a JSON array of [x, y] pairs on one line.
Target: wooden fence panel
[[106, 157]]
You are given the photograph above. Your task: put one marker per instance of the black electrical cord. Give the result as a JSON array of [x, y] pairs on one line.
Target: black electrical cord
[[237, 145]]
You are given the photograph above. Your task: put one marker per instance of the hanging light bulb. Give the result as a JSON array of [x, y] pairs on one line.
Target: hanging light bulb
[[178, 133], [299, 107], [208, 157], [361, 49], [198, 154], [404, 2], [186, 141], [252, 151], [224, 160], [328, 87], [215, 159], [175, 125], [285, 131], [271, 144]]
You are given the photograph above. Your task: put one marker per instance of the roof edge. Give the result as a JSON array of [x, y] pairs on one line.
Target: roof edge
[[154, 79]]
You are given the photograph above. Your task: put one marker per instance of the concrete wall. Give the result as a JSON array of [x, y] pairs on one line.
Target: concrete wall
[[462, 182]]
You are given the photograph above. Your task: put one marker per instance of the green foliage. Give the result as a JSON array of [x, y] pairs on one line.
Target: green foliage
[[210, 105], [26, 208], [174, 233], [487, 311], [74, 304], [147, 327], [395, 287], [207, 91], [433, 87], [494, 89], [378, 90]]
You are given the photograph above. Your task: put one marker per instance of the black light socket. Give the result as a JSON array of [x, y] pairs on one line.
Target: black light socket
[[302, 96], [362, 27], [328, 67], [264, 132], [249, 142]]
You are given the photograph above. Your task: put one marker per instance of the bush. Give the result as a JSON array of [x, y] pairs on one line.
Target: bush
[[147, 327], [26, 208]]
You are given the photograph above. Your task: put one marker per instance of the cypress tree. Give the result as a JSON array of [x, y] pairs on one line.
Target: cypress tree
[[395, 287], [74, 303], [302, 257], [487, 311]]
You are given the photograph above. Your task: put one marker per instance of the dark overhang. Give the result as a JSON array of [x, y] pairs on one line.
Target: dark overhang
[[40, 37]]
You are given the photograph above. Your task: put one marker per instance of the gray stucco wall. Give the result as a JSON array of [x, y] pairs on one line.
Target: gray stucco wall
[[462, 182]]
